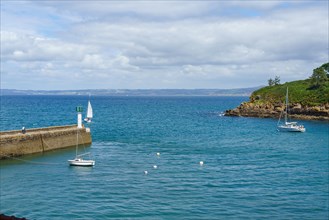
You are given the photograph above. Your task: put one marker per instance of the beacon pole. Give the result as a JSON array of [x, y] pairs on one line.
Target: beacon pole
[[79, 111]]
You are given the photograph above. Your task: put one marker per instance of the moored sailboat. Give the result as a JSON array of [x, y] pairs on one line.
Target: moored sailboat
[[289, 126], [79, 161]]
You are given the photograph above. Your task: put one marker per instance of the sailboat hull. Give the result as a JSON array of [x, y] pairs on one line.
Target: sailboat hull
[[81, 162], [88, 120], [291, 128]]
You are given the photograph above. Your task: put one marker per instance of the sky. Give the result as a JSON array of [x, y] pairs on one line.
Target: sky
[[63, 45]]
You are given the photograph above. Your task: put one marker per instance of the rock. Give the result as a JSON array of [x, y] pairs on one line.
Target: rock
[[5, 217], [316, 108], [269, 106], [297, 106], [250, 109], [278, 109], [326, 105]]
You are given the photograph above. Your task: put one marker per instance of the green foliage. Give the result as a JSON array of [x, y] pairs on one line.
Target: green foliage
[[272, 82], [277, 80], [302, 91], [325, 67], [319, 77]]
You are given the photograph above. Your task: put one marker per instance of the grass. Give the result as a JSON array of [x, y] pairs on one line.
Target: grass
[[300, 91]]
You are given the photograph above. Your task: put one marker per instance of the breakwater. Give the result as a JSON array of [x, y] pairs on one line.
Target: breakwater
[[16, 143]]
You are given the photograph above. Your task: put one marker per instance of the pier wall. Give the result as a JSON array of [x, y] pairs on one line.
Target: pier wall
[[15, 143]]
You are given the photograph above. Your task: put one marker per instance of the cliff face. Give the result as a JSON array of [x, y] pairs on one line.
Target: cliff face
[[296, 110]]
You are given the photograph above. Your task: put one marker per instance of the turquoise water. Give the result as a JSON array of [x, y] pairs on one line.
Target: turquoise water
[[250, 170]]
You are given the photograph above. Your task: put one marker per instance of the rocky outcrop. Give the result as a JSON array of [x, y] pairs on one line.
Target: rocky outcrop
[[6, 217], [296, 110]]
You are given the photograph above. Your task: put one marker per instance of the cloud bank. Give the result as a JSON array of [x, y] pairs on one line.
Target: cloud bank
[[161, 44]]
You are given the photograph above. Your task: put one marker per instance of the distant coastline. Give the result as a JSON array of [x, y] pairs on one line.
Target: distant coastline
[[137, 92]]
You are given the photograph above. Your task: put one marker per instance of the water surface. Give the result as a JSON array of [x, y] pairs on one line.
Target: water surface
[[250, 170]]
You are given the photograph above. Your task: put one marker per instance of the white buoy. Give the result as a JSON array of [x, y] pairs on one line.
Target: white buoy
[[155, 166], [201, 163], [158, 154], [145, 172]]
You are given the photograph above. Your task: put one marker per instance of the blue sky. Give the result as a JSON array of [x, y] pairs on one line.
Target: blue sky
[[52, 45]]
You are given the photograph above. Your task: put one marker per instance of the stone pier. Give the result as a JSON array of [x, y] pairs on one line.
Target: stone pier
[[17, 143]]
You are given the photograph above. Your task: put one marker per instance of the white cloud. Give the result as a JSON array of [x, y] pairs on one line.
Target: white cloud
[[162, 44], [21, 47]]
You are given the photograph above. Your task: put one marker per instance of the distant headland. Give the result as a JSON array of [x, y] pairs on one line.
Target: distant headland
[[137, 92], [308, 99]]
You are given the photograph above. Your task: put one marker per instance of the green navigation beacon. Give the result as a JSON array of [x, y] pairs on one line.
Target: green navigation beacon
[[79, 110]]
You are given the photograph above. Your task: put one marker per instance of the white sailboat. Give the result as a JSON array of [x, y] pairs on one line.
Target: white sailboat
[[89, 115], [79, 161], [289, 126]]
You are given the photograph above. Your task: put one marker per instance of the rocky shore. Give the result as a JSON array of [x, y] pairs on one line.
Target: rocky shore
[[6, 217], [296, 111]]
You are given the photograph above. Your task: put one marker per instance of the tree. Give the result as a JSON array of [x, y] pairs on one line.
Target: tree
[[274, 82], [319, 77], [277, 80], [271, 82], [326, 68]]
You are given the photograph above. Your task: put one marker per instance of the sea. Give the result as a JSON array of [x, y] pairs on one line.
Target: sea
[[249, 170]]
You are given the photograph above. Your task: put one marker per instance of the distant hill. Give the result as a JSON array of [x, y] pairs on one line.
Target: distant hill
[[137, 92]]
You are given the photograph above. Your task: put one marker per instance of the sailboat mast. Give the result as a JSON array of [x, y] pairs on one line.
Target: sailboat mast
[[286, 116], [76, 147]]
